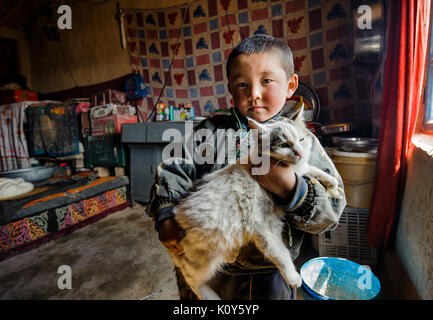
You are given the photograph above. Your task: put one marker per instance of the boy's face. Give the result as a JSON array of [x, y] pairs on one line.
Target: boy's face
[[259, 85]]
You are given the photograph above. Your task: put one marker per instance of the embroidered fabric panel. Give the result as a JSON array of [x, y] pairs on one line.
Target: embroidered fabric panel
[[28, 229], [320, 34]]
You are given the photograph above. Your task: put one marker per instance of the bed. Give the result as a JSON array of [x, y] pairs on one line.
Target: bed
[[56, 208]]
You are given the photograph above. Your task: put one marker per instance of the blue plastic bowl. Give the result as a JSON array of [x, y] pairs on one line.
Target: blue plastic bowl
[[327, 278]]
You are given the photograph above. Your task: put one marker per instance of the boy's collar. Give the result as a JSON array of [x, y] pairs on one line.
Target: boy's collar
[[244, 120]]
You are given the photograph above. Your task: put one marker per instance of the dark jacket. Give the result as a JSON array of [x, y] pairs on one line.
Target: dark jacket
[[312, 209]]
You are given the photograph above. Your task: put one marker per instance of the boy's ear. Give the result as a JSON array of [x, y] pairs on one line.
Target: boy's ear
[[293, 85]]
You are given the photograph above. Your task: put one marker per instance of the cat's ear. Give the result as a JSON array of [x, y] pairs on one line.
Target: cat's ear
[[253, 124], [298, 116]]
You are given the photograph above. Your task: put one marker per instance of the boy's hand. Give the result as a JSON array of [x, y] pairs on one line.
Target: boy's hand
[[170, 233], [280, 180]]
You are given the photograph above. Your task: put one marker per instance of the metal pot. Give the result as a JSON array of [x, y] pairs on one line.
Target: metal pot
[[350, 144]]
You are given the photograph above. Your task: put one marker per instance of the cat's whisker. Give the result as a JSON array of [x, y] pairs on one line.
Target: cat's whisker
[[278, 162]]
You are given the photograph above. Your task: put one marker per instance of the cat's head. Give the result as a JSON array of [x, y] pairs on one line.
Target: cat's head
[[289, 141]]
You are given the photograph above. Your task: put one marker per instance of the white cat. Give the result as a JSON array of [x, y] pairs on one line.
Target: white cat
[[229, 209]]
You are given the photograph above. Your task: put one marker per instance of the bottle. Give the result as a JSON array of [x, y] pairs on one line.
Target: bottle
[[171, 113], [166, 114], [190, 112], [182, 114], [159, 112], [159, 117]]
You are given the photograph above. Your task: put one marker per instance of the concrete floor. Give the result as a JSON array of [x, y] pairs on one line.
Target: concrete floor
[[120, 257], [116, 258]]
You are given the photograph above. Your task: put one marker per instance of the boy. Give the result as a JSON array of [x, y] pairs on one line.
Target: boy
[[261, 77]]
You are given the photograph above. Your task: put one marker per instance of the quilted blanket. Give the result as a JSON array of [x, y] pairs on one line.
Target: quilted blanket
[[196, 40]]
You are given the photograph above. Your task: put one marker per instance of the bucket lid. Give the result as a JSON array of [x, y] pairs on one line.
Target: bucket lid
[[354, 154]]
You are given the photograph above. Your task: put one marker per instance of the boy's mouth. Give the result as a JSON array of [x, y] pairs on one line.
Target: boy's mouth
[[256, 108]]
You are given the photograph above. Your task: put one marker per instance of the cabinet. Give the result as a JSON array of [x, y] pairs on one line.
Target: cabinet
[[145, 144]]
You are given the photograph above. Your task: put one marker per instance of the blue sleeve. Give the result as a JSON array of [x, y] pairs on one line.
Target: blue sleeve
[[298, 195]]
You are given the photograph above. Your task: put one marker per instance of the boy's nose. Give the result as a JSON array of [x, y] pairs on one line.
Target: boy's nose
[[255, 93]]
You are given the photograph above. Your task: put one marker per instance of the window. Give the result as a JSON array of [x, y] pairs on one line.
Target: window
[[428, 109]]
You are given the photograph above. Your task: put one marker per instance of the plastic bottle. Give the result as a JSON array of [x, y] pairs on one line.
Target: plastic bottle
[[171, 113], [159, 111], [166, 114]]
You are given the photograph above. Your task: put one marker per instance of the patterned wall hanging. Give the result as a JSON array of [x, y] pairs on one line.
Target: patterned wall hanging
[[318, 32]]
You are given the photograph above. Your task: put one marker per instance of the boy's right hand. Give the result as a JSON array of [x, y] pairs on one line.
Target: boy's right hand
[[170, 234]]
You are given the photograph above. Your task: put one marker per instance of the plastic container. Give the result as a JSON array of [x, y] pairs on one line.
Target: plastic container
[[171, 113], [358, 173], [166, 114], [110, 124], [348, 240], [326, 278]]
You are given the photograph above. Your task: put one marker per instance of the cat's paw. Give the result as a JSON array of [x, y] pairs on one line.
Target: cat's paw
[[295, 279], [331, 182]]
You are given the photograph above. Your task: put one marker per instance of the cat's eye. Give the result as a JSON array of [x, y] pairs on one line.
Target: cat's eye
[[302, 139]]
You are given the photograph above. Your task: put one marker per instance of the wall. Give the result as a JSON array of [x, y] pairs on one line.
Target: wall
[[24, 64], [320, 34], [415, 229], [89, 53]]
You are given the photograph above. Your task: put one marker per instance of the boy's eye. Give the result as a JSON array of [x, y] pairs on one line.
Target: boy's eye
[[241, 85], [267, 81]]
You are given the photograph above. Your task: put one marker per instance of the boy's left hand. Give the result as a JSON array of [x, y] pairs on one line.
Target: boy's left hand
[[280, 180]]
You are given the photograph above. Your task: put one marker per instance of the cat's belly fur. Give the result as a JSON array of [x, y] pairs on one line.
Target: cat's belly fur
[[223, 214]]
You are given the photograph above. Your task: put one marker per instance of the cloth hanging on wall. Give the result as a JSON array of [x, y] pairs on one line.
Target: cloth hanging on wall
[[14, 154], [53, 130], [201, 36]]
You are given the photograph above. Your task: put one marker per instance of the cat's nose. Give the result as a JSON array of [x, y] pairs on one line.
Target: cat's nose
[[297, 153]]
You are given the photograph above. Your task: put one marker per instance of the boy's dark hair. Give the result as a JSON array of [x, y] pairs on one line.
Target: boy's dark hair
[[263, 43]]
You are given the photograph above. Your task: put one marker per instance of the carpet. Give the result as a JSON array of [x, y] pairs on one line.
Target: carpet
[[116, 258]]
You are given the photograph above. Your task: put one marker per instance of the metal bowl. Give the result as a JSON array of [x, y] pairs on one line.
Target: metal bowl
[[355, 144], [33, 174]]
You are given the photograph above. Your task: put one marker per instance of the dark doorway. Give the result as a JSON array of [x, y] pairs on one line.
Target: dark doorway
[[8, 59]]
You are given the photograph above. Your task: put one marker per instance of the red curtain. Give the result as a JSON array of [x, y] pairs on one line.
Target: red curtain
[[403, 84]]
